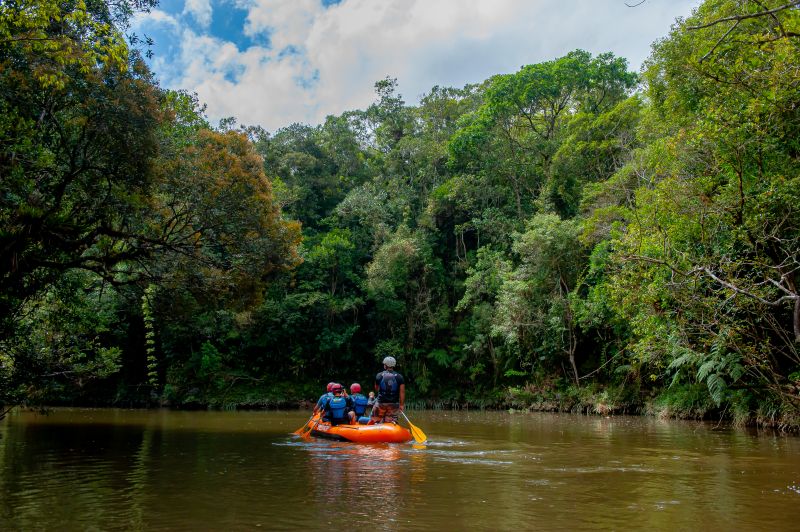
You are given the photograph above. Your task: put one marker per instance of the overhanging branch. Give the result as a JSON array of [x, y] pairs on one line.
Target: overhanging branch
[[745, 17]]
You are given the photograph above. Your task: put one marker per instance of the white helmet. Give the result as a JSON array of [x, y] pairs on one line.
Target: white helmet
[[389, 362]]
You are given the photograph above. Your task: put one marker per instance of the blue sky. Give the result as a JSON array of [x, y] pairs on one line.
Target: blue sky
[[275, 62]]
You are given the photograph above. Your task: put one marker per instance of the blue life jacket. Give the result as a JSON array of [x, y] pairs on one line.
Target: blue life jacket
[[323, 398], [337, 406], [360, 403], [388, 387]]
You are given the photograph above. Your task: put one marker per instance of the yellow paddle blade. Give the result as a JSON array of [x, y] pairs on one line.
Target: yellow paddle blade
[[419, 436], [416, 432]]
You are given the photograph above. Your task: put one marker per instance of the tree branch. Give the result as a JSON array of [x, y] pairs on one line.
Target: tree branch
[[706, 56], [745, 17], [777, 302], [790, 296]]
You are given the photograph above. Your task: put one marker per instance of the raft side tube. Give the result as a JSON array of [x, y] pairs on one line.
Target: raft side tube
[[379, 433]]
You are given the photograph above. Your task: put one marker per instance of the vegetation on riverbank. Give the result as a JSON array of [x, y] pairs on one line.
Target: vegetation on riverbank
[[573, 236]]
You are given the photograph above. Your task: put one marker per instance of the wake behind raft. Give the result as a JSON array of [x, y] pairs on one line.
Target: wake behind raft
[[379, 433]]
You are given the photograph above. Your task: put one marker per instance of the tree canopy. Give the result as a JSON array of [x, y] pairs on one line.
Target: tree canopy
[[570, 236]]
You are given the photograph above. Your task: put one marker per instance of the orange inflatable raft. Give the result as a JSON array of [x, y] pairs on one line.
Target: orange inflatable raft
[[379, 433]]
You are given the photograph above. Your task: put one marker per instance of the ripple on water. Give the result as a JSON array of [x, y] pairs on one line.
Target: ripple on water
[[480, 457], [601, 469], [448, 443], [538, 481], [470, 453], [472, 461]]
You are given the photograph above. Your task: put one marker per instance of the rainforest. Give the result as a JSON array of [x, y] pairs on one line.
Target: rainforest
[[574, 236]]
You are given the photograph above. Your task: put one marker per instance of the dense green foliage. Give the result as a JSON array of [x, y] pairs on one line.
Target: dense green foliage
[[569, 236], [124, 219]]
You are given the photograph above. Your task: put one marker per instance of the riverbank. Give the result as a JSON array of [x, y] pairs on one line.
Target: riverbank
[[688, 402], [679, 402]]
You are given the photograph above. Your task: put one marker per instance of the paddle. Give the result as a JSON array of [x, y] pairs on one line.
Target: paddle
[[303, 429], [308, 428], [418, 435]]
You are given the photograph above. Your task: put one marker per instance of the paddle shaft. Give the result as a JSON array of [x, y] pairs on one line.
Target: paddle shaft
[[303, 428], [310, 429], [418, 435]]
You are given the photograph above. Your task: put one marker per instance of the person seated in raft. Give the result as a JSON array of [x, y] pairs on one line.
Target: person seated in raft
[[360, 404], [321, 400], [370, 405], [391, 390], [336, 408]]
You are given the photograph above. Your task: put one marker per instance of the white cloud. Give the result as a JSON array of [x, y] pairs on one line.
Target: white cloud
[[200, 10], [325, 60], [155, 18], [286, 21], [252, 85]]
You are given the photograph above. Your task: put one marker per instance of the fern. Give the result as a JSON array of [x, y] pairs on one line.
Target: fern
[[624, 369], [719, 345], [716, 388], [688, 358], [708, 368], [441, 357], [737, 371]]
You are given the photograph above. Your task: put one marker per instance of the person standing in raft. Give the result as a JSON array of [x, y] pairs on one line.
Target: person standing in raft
[[391, 390], [336, 409]]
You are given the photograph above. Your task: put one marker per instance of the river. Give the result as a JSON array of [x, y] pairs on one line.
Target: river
[[103, 469]]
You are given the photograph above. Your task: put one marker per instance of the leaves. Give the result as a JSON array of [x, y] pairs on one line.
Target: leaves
[[555, 225]]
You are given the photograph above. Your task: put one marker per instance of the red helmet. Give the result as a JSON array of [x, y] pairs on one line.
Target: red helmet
[[337, 388], [330, 386], [355, 388]]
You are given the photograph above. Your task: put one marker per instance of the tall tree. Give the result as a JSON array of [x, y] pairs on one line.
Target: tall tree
[[79, 120], [712, 243]]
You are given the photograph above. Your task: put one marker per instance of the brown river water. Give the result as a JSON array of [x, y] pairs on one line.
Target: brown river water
[[102, 469]]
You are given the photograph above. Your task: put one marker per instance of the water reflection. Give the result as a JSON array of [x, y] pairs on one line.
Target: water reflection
[[102, 470], [366, 482]]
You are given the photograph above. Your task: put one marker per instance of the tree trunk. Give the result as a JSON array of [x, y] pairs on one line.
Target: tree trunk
[[493, 356], [574, 367], [518, 198], [573, 341]]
